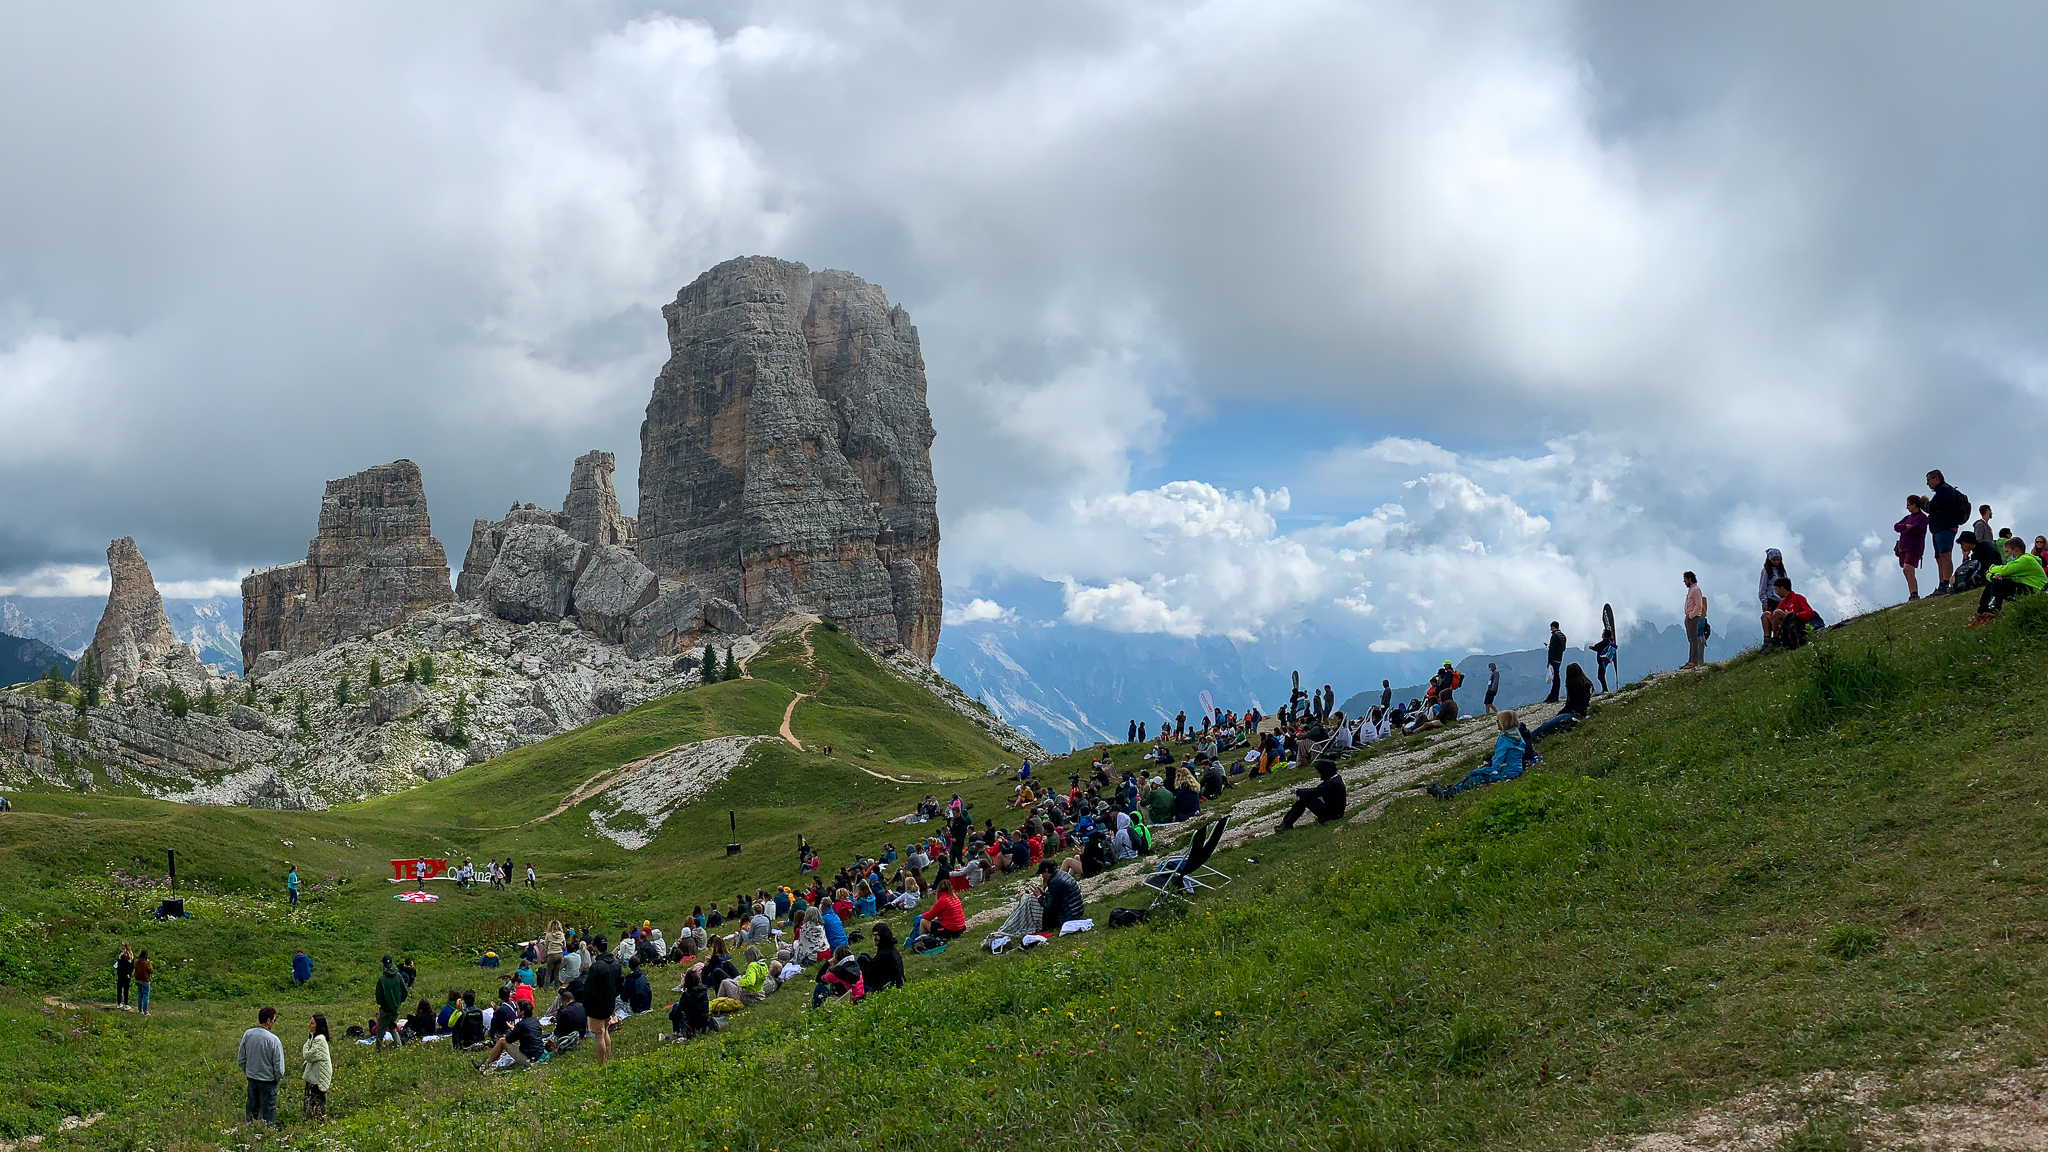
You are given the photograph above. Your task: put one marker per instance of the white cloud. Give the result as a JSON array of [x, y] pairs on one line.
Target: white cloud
[[61, 580], [976, 611]]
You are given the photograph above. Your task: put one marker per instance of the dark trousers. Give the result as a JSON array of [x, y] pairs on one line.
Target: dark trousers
[[1324, 808], [1997, 592], [262, 1101], [1556, 678], [121, 990]]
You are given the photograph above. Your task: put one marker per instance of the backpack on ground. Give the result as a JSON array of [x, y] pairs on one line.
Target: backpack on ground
[[1128, 917]]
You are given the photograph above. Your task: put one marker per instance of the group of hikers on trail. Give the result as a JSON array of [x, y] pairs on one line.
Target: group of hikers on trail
[[2000, 564]]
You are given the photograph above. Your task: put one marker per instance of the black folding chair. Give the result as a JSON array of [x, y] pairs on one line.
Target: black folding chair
[[1180, 877]]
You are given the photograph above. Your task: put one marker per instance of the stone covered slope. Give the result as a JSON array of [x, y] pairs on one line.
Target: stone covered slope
[[519, 683]]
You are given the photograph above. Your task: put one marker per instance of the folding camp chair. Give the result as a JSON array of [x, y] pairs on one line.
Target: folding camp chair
[[1181, 876]]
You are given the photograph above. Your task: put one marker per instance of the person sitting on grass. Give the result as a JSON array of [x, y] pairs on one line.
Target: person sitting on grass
[[519, 1046], [2020, 575], [884, 969], [1325, 798], [691, 1013], [1510, 752], [421, 1023], [839, 977], [943, 921], [754, 983], [1789, 621], [1059, 897], [835, 928], [571, 1022], [1578, 700]]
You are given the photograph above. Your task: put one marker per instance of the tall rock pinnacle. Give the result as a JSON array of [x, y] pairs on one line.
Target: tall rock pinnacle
[[590, 512], [374, 563], [133, 632], [785, 462]]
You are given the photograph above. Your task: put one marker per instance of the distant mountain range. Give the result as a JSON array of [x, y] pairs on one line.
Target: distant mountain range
[[212, 626], [22, 659]]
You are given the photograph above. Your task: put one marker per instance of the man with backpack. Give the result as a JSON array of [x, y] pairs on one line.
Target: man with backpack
[[1946, 511]]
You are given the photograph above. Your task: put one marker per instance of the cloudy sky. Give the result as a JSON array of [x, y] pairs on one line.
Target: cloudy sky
[[1419, 322]]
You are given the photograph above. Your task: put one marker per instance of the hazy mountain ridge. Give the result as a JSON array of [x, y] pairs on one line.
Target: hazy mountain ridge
[[213, 626]]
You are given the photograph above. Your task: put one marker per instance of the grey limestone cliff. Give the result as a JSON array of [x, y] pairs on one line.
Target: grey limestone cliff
[[134, 633], [374, 563], [786, 456]]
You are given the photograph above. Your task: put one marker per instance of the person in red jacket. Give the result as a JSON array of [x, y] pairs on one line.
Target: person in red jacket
[[944, 920], [1791, 605]]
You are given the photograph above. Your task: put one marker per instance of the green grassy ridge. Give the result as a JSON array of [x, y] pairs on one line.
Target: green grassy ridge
[[1693, 893]]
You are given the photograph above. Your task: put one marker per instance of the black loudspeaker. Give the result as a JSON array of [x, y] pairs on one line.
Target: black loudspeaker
[[733, 849]]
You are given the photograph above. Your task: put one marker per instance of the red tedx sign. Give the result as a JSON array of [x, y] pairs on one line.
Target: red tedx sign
[[408, 869]]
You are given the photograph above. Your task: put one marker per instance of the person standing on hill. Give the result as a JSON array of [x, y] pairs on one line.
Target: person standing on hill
[[1387, 694], [1131, 735], [390, 1001], [1767, 580], [1492, 688], [1554, 658], [291, 884], [1603, 658], [1912, 545], [261, 1057], [124, 971], [1946, 511], [1982, 524], [143, 972], [1695, 625], [601, 998], [319, 1073]]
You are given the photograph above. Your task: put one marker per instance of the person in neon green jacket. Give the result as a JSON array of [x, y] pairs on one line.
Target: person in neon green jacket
[[2020, 575]]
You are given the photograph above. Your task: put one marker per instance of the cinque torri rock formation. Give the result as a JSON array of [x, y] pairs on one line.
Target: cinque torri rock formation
[[785, 462], [785, 471], [374, 563]]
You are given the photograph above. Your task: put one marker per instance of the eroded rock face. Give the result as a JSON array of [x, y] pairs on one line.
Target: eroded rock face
[[485, 538], [786, 455], [374, 564], [613, 586], [669, 623], [133, 633], [534, 575], [590, 512]]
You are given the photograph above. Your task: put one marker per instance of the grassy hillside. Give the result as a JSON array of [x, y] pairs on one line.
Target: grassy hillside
[[1828, 859]]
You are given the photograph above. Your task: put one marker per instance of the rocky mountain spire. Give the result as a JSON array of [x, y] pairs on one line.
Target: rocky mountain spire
[[374, 563], [590, 512], [786, 456], [133, 632]]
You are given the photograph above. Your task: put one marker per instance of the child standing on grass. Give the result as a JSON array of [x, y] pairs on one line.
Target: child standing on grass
[[1912, 545], [124, 970], [143, 971]]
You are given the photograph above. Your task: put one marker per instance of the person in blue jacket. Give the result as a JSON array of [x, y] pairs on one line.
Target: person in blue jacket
[[302, 967], [1510, 755]]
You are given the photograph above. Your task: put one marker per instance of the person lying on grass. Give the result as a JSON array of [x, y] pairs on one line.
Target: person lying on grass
[[2020, 575], [1510, 752]]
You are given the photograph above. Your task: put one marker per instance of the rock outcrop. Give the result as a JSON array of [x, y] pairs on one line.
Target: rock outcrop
[[375, 563], [533, 577], [590, 512], [485, 538], [613, 586], [786, 456], [134, 633]]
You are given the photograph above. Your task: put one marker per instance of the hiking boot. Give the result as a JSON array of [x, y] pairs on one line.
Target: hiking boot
[[1439, 791], [1980, 619], [1913, 597], [1940, 590]]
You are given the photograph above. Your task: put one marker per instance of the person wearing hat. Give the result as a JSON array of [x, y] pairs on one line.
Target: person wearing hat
[[1325, 798], [390, 1000], [1159, 802]]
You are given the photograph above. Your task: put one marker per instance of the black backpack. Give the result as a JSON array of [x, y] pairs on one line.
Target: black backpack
[[1128, 917]]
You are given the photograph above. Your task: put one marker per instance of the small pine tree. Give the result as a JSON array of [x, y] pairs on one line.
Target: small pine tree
[[249, 695], [79, 702], [119, 696], [426, 669], [411, 673], [458, 719], [305, 714], [708, 670], [209, 704], [732, 665], [377, 673], [341, 691], [180, 703], [89, 681], [54, 686]]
